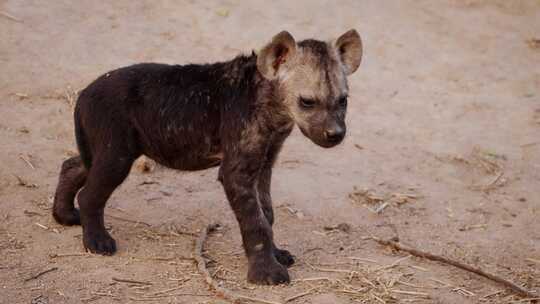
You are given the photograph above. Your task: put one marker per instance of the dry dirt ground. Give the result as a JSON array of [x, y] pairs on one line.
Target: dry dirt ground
[[443, 151]]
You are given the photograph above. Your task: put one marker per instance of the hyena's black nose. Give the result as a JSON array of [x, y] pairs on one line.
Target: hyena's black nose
[[335, 135]]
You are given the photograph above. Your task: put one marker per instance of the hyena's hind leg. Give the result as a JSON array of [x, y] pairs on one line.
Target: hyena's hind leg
[[72, 178]]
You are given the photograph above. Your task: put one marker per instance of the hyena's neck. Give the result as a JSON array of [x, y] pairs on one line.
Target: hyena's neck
[[244, 88], [239, 75]]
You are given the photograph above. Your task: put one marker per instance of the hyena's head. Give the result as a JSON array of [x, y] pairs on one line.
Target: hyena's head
[[311, 77]]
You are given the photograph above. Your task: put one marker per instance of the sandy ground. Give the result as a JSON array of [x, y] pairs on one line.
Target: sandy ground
[[443, 151]]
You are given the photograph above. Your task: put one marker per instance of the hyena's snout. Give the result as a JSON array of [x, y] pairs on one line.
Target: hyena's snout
[[335, 133]]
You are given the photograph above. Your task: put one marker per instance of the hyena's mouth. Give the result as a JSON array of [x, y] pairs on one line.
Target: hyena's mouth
[[322, 140], [330, 143]]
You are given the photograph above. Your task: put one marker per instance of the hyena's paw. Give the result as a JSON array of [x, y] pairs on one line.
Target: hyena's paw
[[67, 217], [284, 257], [99, 242], [267, 272]]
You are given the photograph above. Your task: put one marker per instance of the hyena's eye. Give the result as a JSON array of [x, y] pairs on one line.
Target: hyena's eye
[[307, 103], [342, 102]]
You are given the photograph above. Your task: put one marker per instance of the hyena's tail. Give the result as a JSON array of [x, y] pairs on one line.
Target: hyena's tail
[[82, 143]]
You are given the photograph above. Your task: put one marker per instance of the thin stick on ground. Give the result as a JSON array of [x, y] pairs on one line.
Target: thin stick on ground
[[329, 269], [480, 272], [11, 17], [303, 294], [128, 220], [27, 161], [201, 265], [410, 293], [531, 144], [40, 274], [131, 281], [62, 255]]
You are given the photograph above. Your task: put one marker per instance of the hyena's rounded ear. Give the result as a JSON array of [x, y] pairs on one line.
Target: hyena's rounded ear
[[275, 54], [349, 49]]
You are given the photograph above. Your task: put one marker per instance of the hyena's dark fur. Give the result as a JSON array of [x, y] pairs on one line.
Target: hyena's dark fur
[[233, 114]]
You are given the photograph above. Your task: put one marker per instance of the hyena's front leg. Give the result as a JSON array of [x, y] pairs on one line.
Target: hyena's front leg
[[265, 198], [239, 178]]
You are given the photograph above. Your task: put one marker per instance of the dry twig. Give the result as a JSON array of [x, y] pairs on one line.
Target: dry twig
[[457, 264], [42, 226], [530, 144], [201, 265], [61, 255], [11, 17], [131, 281], [411, 293], [329, 269], [128, 220], [303, 294], [22, 182], [40, 274], [27, 161]]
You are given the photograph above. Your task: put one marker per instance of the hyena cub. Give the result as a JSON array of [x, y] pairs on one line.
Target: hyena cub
[[234, 114]]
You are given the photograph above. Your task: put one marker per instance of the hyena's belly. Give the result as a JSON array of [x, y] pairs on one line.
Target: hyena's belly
[[189, 154], [196, 162]]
